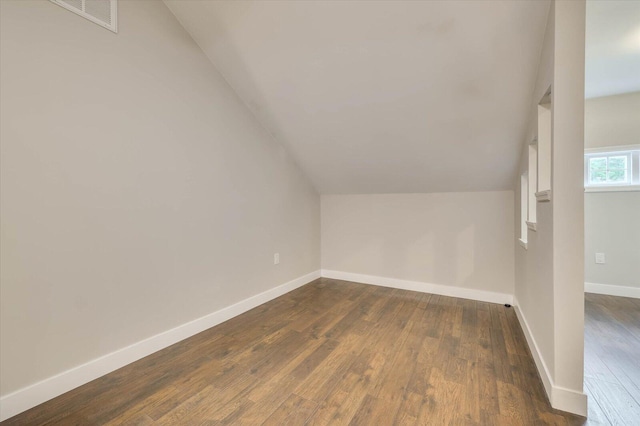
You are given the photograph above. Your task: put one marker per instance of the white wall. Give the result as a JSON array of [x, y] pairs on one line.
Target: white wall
[[611, 218], [612, 227], [452, 239], [612, 121], [138, 193], [550, 272], [533, 266]]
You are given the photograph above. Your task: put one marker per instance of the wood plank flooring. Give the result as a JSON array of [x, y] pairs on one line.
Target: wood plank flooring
[[328, 353], [612, 359]]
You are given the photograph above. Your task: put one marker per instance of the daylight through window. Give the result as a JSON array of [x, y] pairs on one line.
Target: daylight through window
[[612, 169]]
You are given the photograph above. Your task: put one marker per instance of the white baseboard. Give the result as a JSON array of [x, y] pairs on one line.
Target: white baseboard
[[443, 290], [569, 400], [30, 396], [560, 398], [533, 346], [612, 290]]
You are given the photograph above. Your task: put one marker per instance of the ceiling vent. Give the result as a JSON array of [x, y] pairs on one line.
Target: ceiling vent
[[102, 12]]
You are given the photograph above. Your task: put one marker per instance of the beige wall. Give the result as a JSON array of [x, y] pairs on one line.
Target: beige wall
[[138, 193], [612, 227], [611, 218], [534, 265], [456, 239], [550, 273], [612, 121], [568, 193]]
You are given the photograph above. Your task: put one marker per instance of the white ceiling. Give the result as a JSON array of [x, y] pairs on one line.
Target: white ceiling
[[612, 47], [382, 96]]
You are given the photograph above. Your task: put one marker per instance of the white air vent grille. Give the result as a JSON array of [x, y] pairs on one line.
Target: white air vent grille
[[102, 12]]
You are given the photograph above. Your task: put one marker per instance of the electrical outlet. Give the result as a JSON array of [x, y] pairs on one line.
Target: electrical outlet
[[276, 258], [600, 258]]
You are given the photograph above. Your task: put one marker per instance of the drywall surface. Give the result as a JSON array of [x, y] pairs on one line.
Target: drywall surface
[[534, 265], [612, 227], [568, 193], [457, 239], [382, 96], [550, 271], [138, 192], [611, 218], [612, 121]]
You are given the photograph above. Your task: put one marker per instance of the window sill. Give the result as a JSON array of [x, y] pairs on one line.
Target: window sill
[[543, 195], [522, 243], [532, 225], [621, 188]]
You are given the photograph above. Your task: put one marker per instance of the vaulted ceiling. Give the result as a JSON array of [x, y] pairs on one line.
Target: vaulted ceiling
[[382, 96]]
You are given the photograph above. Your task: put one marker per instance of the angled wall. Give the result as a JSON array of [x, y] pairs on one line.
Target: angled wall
[[138, 192]]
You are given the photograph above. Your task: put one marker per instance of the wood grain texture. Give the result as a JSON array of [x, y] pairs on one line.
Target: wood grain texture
[[331, 352], [612, 359]]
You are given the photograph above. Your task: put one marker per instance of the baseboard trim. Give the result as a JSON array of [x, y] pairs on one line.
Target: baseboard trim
[[560, 398], [443, 290], [612, 290], [569, 400], [533, 347], [37, 393]]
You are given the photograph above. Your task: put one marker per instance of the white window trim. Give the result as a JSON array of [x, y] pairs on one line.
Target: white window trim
[[616, 188], [632, 150]]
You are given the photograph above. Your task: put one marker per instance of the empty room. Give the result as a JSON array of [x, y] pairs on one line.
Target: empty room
[[296, 212]]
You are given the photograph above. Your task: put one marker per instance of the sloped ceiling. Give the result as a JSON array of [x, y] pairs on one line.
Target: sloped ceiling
[[382, 96]]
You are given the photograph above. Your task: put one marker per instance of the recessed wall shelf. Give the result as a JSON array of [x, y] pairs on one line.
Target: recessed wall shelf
[[545, 144]]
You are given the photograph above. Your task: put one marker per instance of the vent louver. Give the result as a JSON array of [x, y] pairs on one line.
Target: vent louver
[[102, 12]]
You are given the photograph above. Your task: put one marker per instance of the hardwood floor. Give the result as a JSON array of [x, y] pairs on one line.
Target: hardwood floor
[[612, 359], [329, 353]]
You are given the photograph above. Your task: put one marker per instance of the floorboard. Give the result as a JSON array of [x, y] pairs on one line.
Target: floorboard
[[334, 352], [612, 359]]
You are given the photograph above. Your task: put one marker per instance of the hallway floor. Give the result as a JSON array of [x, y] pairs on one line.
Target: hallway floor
[[612, 359]]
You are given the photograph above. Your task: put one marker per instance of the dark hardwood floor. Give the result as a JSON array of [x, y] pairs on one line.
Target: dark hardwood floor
[[329, 353], [612, 359]]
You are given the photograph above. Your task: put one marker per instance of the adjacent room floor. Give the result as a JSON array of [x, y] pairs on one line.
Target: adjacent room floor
[[612, 359], [329, 353]]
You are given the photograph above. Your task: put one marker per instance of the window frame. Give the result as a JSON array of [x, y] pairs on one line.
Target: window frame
[[632, 153], [607, 156]]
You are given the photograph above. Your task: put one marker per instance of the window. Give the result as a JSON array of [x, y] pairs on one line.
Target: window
[[609, 169], [612, 170]]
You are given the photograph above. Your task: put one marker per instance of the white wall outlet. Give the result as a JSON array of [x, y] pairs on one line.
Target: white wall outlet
[[276, 258], [600, 258]]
